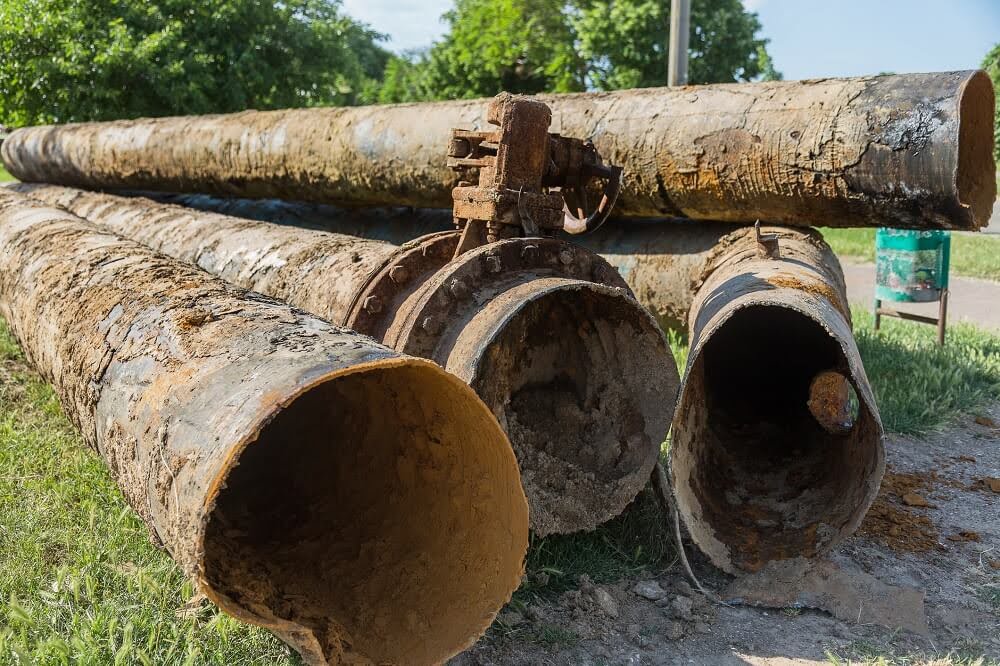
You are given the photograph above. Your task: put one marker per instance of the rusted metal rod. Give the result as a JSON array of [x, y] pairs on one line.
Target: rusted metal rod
[[772, 455], [363, 505], [910, 150], [547, 333]]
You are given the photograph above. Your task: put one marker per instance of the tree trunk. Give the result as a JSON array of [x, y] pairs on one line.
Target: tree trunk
[[912, 150]]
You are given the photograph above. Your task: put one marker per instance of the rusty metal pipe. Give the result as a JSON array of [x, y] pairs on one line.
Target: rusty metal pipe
[[777, 446], [661, 260], [577, 372], [361, 504], [909, 150]]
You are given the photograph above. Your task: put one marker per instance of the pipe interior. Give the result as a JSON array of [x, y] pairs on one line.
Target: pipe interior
[[770, 475], [584, 384], [975, 177], [381, 510]]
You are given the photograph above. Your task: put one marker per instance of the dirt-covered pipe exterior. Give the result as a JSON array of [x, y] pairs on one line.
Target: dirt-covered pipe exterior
[[577, 372], [769, 458], [910, 150], [363, 505], [660, 259], [777, 448]]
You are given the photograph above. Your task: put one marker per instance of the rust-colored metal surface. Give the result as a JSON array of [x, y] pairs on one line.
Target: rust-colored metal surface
[[363, 505], [910, 150], [772, 457], [778, 444], [517, 166], [577, 372], [510, 162], [661, 260]]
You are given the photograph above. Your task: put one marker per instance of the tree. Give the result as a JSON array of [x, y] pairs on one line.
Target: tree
[[625, 42], [533, 46], [68, 60], [521, 46], [991, 63]]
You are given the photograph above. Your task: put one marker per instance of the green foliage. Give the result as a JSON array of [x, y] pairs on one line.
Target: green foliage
[[534, 46], [521, 46], [403, 81], [991, 63], [625, 42], [67, 60]]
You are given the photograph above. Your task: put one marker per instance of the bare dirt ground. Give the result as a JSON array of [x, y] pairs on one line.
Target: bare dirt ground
[[935, 527]]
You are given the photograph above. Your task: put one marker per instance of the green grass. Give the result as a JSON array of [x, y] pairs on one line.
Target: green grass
[[920, 386], [81, 583], [5, 176], [972, 255], [970, 652]]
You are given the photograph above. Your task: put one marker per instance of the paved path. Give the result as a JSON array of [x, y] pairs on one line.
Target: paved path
[[977, 301], [994, 226]]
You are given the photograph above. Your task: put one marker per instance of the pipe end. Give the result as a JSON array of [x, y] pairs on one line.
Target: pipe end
[[376, 515], [975, 176]]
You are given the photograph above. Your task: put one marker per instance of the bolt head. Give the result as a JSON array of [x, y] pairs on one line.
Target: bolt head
[[565, 257], [529, 252], [372, 305], [493, 263]]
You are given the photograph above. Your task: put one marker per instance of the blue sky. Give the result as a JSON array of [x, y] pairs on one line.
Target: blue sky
[[809, 38]]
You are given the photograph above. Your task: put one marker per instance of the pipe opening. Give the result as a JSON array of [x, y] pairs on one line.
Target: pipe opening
[[380, 512], [975, 177], [780, 459], [583, 382]]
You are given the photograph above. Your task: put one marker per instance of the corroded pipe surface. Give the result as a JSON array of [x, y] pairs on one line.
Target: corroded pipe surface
[[547, 334], [912, 150], [661, 260], [363, 505], [772, 457], [777, 449]]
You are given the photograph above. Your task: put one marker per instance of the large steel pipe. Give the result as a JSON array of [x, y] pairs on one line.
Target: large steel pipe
[[777, 448], [577, 372], [363, 505], [772, 456], [912, 150]]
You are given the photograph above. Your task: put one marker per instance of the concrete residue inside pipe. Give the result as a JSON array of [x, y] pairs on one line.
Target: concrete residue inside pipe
[[762, 473], [581, 383]]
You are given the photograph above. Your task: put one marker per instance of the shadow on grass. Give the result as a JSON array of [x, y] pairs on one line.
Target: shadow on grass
[[638, 540], [920, 386]]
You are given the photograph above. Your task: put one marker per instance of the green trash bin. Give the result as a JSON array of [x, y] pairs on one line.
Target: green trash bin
[[912, 267]]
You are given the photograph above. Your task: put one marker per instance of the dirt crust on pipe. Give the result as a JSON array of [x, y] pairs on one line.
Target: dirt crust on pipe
[[780, 315], [547, 329], [910, 150], [759, 471], [216, 408], [317, 271]]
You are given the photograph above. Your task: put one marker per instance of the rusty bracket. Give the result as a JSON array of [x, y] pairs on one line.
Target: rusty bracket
[[767, 244], [530, 183]]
